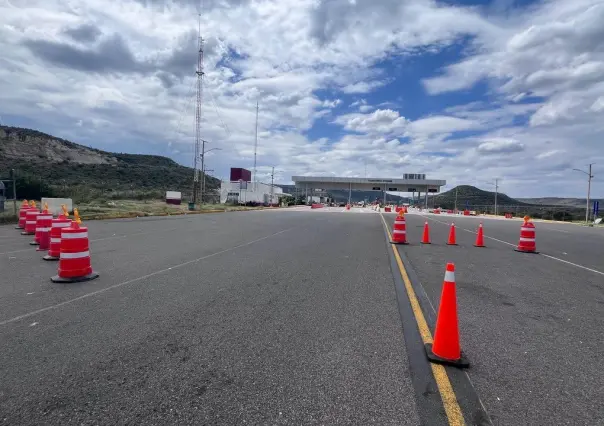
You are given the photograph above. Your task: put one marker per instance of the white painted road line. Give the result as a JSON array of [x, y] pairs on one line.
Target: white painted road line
[[514, 245], [111, 287], [554, 229], [113, 237], [573, 264]]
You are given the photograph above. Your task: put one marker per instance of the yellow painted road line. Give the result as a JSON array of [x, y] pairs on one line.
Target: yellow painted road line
[[452, 408]]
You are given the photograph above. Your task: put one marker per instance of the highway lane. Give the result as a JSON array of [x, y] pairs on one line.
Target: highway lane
[[531, 326], [572, 243], [121, 251], [264, 318]]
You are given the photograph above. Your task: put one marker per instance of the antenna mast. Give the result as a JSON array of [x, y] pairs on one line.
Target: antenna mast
[[199, 72], [256, 144]]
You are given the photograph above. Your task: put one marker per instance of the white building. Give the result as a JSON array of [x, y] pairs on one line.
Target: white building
[[240, 192]]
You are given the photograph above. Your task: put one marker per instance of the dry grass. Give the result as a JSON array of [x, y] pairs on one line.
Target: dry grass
[[115, 209]]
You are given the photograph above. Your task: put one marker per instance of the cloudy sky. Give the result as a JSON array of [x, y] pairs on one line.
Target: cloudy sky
[[467, 90]]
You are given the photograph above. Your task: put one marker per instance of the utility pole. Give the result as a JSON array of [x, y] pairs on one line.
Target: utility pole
[[496, 191], [203, 187], [199, 72], [13, 176], [589, 178], [256, 146], [272, 182], [203, 175], [203, 168], [456, 198], [588, 194]]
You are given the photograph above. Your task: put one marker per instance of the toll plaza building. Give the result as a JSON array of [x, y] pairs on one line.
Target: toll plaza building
[[411, 183]]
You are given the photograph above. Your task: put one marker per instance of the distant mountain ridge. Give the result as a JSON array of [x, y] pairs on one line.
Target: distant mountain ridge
[[472, 196], [560, 201], [59, 164]]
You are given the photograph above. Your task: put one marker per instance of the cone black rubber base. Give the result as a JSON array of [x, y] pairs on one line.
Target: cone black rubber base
[[18, 227], [425, 243], [452, 244], [402, 244], [27, 233], [34, 243], [460, 363], [479, 246], [529, 252], [48, 257], [58, 279]]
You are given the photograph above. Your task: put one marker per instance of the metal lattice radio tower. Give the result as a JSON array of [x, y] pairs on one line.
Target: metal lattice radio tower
[[256, 146], [198, 141]]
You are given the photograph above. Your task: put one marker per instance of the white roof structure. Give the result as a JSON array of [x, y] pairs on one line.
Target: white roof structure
[[408, 183]]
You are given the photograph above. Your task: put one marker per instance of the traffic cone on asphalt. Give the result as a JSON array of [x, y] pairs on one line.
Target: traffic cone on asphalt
[[30, 221], [74, 259], [426, 236], [43, 224], [452, 240], [399, 231], [54, 251], [446, 348], [479, 237], [22, 212], [528, 236], [44, 218]]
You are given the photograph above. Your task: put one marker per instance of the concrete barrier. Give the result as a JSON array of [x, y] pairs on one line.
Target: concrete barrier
[[54, 205]]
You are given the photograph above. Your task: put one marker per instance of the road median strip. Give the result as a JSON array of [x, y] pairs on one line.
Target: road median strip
[[447, 394]]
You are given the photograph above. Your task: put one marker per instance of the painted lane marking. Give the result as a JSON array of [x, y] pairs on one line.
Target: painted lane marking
[[557, 230], [573, 264], [113, 237], [152, 274], [514, 245], [447, 394]]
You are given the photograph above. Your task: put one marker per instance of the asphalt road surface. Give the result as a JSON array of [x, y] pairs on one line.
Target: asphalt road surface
[[530, 324], [299, 317], [238, 318]]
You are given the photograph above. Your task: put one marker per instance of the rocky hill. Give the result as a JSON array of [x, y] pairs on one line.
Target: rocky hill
[[473, 197], [57, 166]]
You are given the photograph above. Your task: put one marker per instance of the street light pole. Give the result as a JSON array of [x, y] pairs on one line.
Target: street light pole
[[456, 198], [14, 178], [589, 178], [272, 184], [496, 191], [203, 173], [349, 191], [496, 184]]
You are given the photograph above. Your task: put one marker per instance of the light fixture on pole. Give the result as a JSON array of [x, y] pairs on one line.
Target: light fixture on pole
[[496, 184], [589, 178], [203, 173]]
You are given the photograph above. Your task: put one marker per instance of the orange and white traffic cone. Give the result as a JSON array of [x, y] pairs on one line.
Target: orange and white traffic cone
[[74, 259], [399, 231], [54, 250], [43, 224], [30, 221], [22, 212], [452, 240], [426, 236], [528, 237], [479, 237], [446, 348]]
